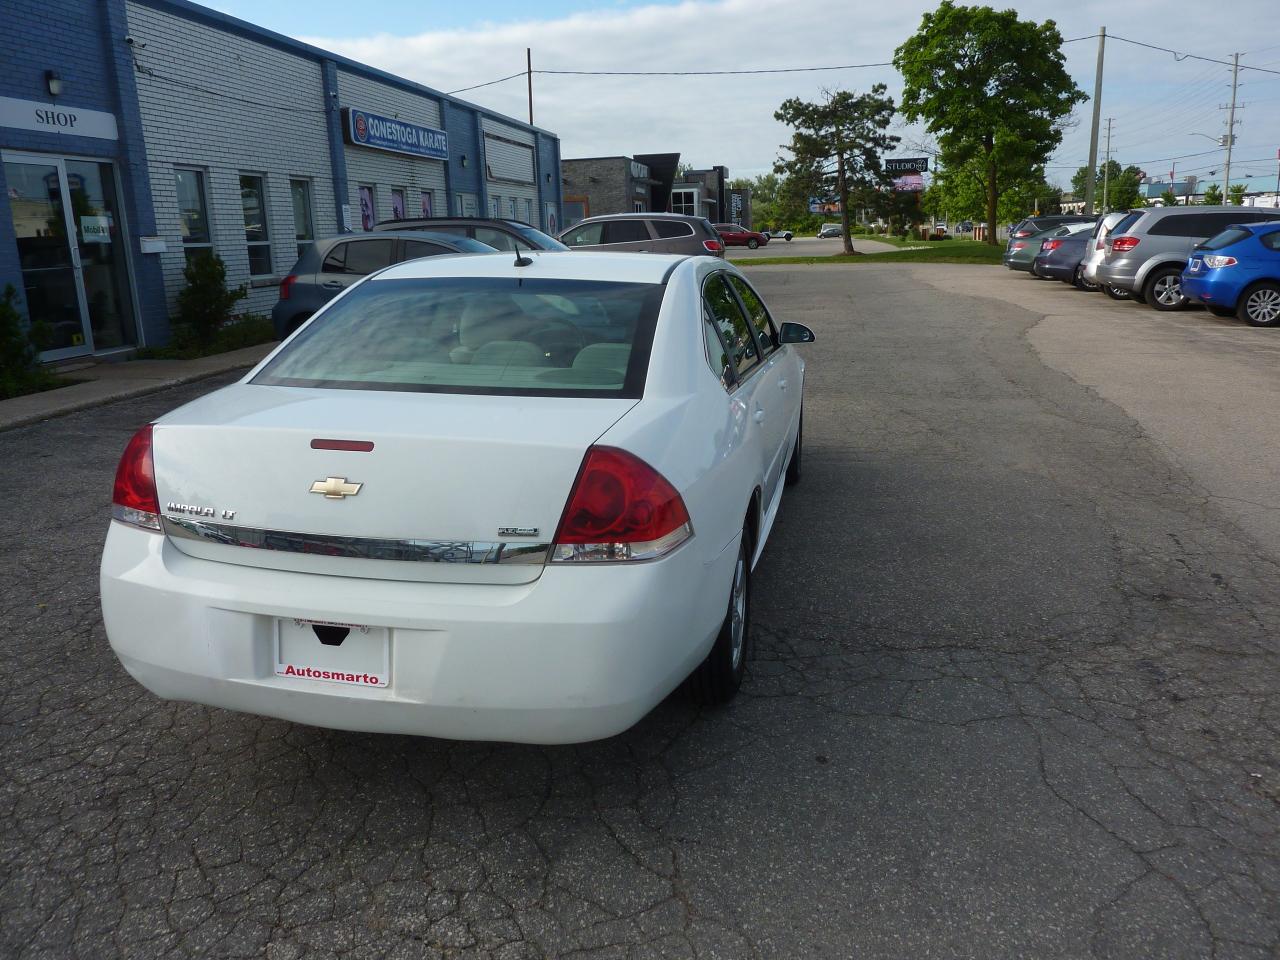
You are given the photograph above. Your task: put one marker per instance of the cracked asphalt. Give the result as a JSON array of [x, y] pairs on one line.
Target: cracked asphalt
[[1013, 694]]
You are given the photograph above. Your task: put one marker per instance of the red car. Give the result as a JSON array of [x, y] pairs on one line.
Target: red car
[[736, 235]]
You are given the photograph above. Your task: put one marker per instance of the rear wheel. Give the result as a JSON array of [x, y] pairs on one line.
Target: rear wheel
[[1163, 289], [717, 678], [1115, 293], [1260, 305], [753, 243], [1080, 282]]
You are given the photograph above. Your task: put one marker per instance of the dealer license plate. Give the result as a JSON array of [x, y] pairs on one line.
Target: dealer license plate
[[346, 653]]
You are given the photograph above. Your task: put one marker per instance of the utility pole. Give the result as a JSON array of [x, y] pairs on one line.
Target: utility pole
[[1231, 124], [1090, 186], [1106, 171], [528, 64]]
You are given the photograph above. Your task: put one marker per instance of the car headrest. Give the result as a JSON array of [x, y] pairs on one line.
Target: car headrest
[[510, 353], [488, 318], [612, 356]]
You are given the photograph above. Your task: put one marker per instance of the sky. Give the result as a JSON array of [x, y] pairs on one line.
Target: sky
[[1165, 108]]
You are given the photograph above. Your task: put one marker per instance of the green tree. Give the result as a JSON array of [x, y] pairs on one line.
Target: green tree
[[959, 192], [1169, 198], [836, 145], [990, 87], [1213, 195], [1122, 185], [1235, 194], [205, 303]]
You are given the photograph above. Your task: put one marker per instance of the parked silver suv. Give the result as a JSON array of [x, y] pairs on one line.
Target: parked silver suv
[[1147, 251], [645, 233]]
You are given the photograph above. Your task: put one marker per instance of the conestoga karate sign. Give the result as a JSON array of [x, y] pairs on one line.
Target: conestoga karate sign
[[363, 129]]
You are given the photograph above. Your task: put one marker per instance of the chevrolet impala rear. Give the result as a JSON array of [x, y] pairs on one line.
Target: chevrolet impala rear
[[476, 500]]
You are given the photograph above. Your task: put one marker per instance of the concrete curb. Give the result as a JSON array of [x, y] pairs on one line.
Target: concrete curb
[[110, 382]]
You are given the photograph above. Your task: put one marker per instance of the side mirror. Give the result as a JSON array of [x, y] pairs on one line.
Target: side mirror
[[795, 333]]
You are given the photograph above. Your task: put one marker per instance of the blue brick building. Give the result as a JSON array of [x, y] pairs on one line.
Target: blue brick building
[[142, 133]]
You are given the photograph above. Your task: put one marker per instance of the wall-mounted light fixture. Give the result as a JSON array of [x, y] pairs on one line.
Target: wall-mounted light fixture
[[53, 82]]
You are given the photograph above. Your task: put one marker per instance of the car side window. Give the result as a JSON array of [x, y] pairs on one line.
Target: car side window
[[366, 256], [413, 249], [587, 235], [336, 261], [670, 229], [717, 358], [497, 239], [758, 314], [734, 328], [625, 231], [1271, 240]]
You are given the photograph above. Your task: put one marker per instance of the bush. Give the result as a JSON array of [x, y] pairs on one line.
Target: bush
[[20, 370], [248, 331], [205, 303]]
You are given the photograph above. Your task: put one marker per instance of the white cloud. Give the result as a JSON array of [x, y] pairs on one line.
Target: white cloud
[[1158, 102]]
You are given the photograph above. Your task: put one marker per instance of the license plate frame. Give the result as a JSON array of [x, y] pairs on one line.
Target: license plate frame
[[1195, 265], [361, 660]]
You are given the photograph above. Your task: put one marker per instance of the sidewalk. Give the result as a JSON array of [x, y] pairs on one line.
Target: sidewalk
[[108, 382]]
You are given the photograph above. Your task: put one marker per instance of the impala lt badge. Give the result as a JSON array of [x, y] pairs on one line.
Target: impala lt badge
[[336, 488]]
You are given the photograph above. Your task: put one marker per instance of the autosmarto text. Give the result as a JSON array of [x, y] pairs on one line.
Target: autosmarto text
[[310, 673]]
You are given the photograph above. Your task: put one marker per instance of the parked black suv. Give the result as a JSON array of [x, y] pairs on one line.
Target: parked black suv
[[499, 234]]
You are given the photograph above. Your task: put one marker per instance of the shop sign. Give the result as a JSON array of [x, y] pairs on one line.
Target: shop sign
[[95, 229], [907, 165], [363, 129], [56, 118]]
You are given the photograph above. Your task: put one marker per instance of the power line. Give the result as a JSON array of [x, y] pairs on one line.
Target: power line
[[1180, 55]]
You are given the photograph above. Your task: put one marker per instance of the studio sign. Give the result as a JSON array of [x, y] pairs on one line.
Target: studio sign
[[907, 165], [363, 129]]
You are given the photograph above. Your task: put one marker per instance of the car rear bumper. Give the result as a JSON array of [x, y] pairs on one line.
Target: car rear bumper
[[581, 653], [1054, 270], [1122, 273], [1209, 286]]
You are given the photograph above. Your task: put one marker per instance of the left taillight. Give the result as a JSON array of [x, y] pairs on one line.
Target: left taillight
[[1048, 245], [286, 286], [620, 508], [134, 500], [713, 246]]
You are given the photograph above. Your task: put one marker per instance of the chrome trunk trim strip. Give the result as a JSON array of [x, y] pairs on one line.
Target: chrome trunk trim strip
[[359, 548]]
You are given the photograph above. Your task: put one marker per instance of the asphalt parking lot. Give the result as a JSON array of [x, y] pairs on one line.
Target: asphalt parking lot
[[1013, 692]]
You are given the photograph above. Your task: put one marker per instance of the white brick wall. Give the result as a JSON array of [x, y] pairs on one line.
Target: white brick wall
[[194, 114], [508, 158], [387, 171]]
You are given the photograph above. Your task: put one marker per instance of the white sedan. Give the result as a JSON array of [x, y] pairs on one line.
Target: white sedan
[[471, 498]]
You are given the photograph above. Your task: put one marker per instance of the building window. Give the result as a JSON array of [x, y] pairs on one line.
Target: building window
[[494, 207], [193, 213], [684, 201], [303, 224], [253, 203], [637, 206], [397, 204], [368, 216], [427, 204], [511, 205], [528, 212]]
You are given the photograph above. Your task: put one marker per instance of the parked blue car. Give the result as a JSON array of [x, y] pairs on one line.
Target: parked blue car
[[1237, 273]]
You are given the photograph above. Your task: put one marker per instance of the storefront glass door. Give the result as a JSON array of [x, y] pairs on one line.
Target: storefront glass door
[[71, 250]]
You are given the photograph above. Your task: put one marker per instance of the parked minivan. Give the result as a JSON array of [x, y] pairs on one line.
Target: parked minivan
[[1147, 251], [645, 233]]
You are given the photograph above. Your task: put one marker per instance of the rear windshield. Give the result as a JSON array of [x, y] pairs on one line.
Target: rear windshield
[[1225, 238], [1126, 223], [538, 238], [504, 336]]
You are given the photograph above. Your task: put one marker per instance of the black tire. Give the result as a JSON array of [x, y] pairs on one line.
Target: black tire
[[1115, 293], [1260, 305], [753, 243], [797, 452], [786, 237], [717, 678], [1163, 289], [1080, 283], [1225, 312]]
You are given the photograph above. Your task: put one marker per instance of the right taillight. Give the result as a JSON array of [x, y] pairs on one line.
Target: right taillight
[[620, 508], [1048, 245], [713, 246], [1124, 244], [286, 286], [134, 500], [1022, 233], [1017, 246]]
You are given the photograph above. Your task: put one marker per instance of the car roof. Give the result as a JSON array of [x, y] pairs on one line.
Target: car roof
[[399, 235], [505, 220], [639, 215], [547, 265]]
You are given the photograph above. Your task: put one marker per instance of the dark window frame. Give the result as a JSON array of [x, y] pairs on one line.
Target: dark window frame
[[254, 248], [773, 343], [740, 376]]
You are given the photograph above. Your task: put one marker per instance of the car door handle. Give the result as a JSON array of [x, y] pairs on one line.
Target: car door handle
[[782, 384], [332, 285], [759, 416]]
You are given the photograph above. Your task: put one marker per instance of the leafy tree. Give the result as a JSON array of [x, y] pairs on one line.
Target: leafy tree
[[991, 88], [1169, 198], [1213, 195], [960, 193], [1235, 194], [1123, 185], [836, 145]]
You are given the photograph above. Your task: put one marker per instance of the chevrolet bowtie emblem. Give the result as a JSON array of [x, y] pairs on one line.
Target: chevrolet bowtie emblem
[[335, 488]]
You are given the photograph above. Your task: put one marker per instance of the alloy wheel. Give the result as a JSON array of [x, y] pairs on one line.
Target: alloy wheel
[[1168, 290], [738, 612], [1263, 306]]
